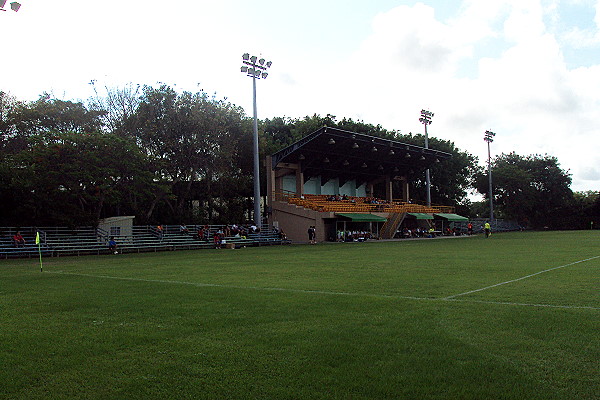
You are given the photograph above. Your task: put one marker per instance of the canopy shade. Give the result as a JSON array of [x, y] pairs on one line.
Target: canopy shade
[[421, 215], [452, 217], [336, 153], [354, 217]]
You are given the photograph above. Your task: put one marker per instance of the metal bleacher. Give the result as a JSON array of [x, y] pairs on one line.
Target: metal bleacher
[[62, 241]]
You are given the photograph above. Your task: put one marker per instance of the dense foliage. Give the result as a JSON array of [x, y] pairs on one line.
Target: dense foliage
[[535, 191], [170, 157]]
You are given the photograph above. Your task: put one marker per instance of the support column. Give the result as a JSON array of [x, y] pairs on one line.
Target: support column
[[405, 191], [388, 189], [299, 180], [270, 181]]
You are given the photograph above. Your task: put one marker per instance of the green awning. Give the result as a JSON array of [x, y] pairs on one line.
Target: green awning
[[354, 217], [452, 217], [421, 215]]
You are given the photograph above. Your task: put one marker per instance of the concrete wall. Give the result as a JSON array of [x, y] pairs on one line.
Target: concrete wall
[[295, 221]]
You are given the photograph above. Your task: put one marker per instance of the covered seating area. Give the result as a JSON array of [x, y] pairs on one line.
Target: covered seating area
[[331, 173]]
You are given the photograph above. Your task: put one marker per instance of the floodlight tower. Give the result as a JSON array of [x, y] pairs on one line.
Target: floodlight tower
[[489, 138], [256, 69], [13, 6], [425, 119]]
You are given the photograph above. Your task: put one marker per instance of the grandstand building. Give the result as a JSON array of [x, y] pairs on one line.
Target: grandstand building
[[340, 181]]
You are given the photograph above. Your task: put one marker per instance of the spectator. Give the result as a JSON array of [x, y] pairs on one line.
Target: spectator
[[159, 231], [282, 235], [183, 229], [112, 245], [18, 240], [217, 240]]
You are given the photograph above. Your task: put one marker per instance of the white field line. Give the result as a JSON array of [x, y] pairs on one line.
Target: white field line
[[216, 285], [324, 292], [519, 279]]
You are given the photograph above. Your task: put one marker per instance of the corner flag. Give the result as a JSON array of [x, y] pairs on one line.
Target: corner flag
[[37, 241]]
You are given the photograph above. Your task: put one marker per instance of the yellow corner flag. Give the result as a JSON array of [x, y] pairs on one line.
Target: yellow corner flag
[[37, 241]]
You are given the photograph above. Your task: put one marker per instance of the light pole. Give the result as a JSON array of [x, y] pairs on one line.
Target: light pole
[[256, 69], [13, 6], [489, 138], [425, 119]]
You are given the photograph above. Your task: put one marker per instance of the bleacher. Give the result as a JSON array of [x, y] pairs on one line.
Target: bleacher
[[352, 204], [62, 241]]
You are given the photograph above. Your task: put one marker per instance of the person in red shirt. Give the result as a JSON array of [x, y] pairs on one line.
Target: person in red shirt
[[18, 240]]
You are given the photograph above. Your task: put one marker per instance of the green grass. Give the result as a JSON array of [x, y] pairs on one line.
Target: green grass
[[336, 321]]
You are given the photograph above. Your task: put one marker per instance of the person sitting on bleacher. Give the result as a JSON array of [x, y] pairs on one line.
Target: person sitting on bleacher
[[18, 240], [183, 229], [217, 240], [112, 245]]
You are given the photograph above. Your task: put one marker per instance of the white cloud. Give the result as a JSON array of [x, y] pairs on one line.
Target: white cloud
[[526, 94], [518, 84]]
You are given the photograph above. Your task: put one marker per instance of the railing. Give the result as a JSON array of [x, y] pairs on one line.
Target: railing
[[388, 230], [322, 203]]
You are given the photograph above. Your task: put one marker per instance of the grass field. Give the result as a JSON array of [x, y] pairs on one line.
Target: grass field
[[515, 316]]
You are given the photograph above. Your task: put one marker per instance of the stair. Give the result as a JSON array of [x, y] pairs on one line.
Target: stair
[[388, 230]]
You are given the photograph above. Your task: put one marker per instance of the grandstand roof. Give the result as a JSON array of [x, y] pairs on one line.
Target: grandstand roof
[[332, 152]]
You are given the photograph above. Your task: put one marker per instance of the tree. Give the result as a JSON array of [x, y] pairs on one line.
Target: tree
[[22, 120], [532, 190], [117, 105], [72, 179], [451, 179], [193, 138]]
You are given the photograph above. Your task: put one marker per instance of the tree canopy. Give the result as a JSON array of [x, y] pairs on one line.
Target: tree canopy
[[171, 157], [532, 190]]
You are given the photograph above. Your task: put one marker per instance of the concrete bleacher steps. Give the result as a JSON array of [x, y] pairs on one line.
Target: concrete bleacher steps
[[89, 241]]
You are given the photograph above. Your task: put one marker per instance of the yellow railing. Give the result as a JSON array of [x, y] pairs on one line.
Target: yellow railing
[[322, 203]]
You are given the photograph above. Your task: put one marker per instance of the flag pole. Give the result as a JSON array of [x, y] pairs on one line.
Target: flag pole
[[37, 241]]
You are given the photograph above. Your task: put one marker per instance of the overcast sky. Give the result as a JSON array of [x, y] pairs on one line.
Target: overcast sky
[[529, 70]]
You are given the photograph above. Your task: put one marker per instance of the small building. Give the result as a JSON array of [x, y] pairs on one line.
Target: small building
[[120, 227]]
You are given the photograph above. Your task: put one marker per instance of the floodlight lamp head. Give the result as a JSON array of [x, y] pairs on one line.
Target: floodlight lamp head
[[489, 136], [246, 56], [264, 75], [269, 64], [15, 6], [244, 69], [253, 59], [2, 3], [261, 61]]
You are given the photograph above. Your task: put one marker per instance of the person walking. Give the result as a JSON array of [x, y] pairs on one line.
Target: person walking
[[488, 229], [311, 234]]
